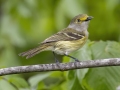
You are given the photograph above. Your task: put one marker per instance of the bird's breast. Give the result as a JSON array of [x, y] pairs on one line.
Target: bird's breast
[[66, 47]]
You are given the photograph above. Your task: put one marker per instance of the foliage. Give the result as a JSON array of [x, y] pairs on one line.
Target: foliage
[[104, 78], [24, 23]]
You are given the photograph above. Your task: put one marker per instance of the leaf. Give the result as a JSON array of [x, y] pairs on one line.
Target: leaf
[[113, 48], [4, 85], [75, 85], [34, 80], [105, 78], [19, 83], [107, 49], [41, 86]]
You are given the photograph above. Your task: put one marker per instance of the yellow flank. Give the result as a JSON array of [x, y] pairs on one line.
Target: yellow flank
[[66, 47], [84, 17]]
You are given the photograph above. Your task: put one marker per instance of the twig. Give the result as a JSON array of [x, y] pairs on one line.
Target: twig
[[60, 66]]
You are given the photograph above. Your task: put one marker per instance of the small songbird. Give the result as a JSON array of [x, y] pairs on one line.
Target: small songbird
[[65, 41]]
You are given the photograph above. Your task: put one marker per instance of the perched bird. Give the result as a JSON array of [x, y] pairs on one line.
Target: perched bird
[[65, 41]]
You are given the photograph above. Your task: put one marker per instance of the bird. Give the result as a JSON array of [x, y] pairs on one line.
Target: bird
[[66, 41]]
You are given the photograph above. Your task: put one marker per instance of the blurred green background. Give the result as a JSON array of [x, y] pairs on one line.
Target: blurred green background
[[25, 23]]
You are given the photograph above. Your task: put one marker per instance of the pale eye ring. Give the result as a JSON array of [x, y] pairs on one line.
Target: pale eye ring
[[78, 20]]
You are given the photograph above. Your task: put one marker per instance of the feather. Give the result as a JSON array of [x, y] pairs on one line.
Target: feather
[[67, 34]]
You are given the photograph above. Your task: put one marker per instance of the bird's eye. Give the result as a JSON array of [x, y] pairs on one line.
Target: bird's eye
[[78, 20]]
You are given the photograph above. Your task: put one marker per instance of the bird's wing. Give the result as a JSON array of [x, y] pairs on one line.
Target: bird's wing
[[67, 34]]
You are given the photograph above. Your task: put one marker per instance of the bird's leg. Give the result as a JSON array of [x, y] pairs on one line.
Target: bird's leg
[[58, 63], [56, 60], [72, 57]]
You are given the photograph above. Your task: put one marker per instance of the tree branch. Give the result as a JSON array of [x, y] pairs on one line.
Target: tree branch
[[61, 66]]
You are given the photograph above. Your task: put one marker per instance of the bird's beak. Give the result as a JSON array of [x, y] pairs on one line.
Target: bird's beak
[[89, 18]]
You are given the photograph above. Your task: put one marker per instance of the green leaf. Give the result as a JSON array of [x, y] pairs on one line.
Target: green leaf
[[109, 49], [41, 86], [75, 84], [5, 85], [19, 82], [105, 78], [34, 80]]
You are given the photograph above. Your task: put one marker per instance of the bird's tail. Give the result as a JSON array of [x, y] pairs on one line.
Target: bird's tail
[[32, 52]]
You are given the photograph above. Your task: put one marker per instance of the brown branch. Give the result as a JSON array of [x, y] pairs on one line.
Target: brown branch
[[60, 66]]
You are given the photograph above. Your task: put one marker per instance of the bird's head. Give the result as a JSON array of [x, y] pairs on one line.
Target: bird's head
[[80, 21]]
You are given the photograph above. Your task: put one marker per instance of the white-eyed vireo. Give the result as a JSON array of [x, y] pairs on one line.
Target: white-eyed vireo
[[65, 41]]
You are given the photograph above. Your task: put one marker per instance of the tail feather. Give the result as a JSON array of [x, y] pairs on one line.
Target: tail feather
[[33, 52]]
